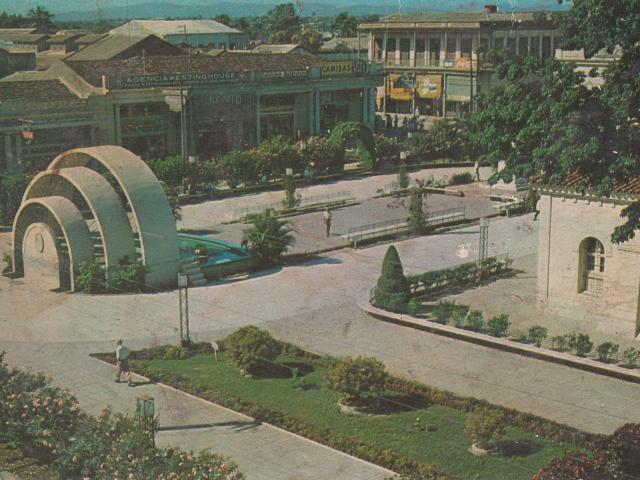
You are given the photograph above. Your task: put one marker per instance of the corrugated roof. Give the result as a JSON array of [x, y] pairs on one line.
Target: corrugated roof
[[18, 30], [110, 46], [345, 43], [63, 37], [90, 38], [35, 91], [172, 27], [276, 48], [227, 62], [21, 37]]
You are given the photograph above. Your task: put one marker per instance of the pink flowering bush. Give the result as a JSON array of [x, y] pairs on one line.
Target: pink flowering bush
[[117, 446]]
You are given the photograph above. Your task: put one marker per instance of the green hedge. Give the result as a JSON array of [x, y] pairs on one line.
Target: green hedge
[[460, 275]]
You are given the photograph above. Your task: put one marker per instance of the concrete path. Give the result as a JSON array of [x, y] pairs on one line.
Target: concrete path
[[314, 304], [211, 213], [261, 451]]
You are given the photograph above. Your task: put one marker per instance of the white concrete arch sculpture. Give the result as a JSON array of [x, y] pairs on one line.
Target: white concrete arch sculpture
[[91, 179]]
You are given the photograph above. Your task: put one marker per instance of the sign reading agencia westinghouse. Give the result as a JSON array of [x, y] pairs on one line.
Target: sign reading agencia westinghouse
[[358, 67]]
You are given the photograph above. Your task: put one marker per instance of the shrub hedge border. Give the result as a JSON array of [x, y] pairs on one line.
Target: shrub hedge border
[[349, 445]]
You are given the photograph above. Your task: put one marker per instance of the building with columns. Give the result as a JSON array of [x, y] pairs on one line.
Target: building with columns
[[582, 274], [231, 100], [432, 62]]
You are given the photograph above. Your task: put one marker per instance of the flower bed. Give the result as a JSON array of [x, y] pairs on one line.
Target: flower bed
[[46, 422]]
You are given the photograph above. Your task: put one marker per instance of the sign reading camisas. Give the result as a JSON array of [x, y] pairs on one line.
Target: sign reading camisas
[[186, 79], [357, 67]]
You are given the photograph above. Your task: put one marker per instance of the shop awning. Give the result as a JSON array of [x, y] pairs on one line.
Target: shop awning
[[397, 90]]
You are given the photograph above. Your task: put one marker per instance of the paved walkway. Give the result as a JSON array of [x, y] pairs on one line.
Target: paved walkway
[[261, 451], [314, 304], [211, 213]]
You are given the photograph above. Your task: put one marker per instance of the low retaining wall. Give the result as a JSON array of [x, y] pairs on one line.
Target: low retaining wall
[[502, 344]]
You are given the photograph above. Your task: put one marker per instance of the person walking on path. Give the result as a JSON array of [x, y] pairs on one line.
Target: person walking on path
[[122, 362], [327, 220], [476, 171]]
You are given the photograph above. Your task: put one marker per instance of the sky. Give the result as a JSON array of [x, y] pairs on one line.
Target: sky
[[55, 6]]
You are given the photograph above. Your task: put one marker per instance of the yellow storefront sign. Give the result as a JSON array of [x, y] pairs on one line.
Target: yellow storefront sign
[[397, 90], [429, 86]]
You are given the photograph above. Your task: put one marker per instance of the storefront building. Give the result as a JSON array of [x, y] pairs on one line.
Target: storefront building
[[432, 63], [230, 101]]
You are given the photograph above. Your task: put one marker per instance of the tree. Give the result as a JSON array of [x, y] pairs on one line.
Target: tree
[[275, 155], [268, 237], [344, 131], [223, 19], [483, 426], [359, 381], [12, 188], [249, 348], [537, 334], [308, 38], [290, 198], [321, 154], [41, 18], [238, 166], [345, 25], [90, 277], [282, 23], [392, 290], [128, 276], [417, 220]]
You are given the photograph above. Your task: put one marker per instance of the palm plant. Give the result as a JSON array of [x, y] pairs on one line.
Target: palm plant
[[268, 237]]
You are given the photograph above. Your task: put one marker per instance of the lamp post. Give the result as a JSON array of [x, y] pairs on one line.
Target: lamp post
[[483, 246], [183, 284]]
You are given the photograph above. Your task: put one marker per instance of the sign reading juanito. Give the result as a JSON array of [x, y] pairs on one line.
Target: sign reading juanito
[[175, 79]]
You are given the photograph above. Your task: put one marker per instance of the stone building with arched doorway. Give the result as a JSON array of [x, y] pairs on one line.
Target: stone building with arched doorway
[[581, 272]]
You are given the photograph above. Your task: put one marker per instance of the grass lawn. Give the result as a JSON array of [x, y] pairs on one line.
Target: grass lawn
[[440, 441]]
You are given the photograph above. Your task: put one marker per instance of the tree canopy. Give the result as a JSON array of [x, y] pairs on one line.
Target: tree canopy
[[282, 23], [308, 38], [345, 25], [545, 121]]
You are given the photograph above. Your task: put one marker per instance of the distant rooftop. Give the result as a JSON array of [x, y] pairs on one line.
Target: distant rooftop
[[457, 18], [276, 48], [21, 37], [111, 46], [345, 44], [34, 91], [172, 27]]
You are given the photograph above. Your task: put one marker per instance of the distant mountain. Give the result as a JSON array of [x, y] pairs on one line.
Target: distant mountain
[[126, 9]]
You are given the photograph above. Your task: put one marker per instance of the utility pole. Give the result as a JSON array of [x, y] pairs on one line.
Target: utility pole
[[483, 247], [183, 284]]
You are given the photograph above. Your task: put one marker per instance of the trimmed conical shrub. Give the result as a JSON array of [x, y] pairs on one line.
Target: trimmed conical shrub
[[392, 290]]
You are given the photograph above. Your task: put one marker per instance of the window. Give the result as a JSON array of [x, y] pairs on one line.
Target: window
[[451, 48], [523, 44], [391, 49], [421, 46], [434, 51], [405, 46], [465, 46], [377, 45], [592, 266]]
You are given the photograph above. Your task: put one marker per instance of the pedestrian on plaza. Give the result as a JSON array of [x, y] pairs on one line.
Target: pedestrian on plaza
[[476, 171], [326, 216], [122, 362]]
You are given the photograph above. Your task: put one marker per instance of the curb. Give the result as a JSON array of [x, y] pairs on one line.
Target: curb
[[509, 346], [208, 402]]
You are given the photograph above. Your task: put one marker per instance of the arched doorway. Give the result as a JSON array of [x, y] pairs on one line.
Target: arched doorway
[[345, 131], [592, 266], [41, 255]]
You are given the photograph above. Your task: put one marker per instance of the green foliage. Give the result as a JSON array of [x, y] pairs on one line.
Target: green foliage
[[275, 155], [268, 237], [392, 290], [403, 177], [560, 342], [176, 209], [290, 198], [498, 325], [282, 23], [446, 139], [484, 426], [631, 356], [12, 188], [90, 277], [443, 311], [176, 352], [128, 276], [343, 131], [417, 219], [387, 148], [461, 178], [537, 334], [41, 18], [606, 351], [249, 348], [309, 39], [581, 343], [345, 25], [238, 167], [321, 154], [475, 321], [172, 170], [414, 307], [7, 259], [358, 380]]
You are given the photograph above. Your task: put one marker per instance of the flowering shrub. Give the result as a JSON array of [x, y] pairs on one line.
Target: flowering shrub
[[40, 422], [118, 446]]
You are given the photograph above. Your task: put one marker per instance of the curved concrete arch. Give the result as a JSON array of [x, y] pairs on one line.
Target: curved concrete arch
[[69, 222], [105, 205], [149, 205]]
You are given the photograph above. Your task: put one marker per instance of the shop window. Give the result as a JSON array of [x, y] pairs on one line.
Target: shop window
[[434, 51], [421, 46], [592, 265]]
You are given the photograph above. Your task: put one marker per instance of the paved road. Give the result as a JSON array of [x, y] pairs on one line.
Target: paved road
[[313, 304]]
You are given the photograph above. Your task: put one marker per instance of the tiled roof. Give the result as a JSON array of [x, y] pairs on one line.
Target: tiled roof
[[22, 37], [90, 38], [195, 64], [576, 181], [110, 46], [279, 48], [63, 37], [35, 91]]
